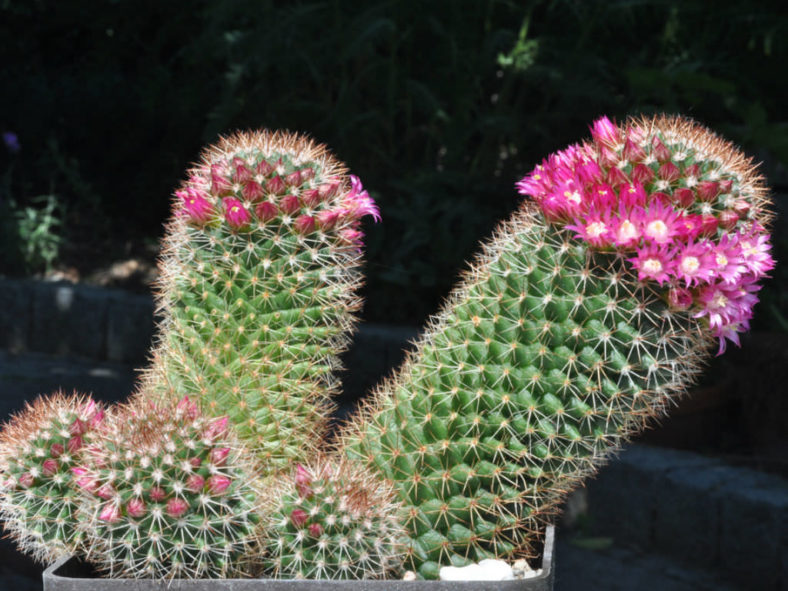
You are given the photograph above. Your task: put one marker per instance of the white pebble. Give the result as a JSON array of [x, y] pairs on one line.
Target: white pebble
[[486, 570]]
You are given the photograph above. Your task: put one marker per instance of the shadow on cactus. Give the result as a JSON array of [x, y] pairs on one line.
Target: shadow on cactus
[[585, 316]]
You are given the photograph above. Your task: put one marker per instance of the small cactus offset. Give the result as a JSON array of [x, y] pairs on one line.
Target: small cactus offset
[[258, 288], [584, 316], [332, 521], [169, 493], [38, 449]]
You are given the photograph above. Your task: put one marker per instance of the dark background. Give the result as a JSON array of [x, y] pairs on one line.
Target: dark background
[[438, 106]]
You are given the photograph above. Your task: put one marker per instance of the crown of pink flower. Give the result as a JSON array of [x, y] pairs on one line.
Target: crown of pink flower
[[253, 179], [683, 206]]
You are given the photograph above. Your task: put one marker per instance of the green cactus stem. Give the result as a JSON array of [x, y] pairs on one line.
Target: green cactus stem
[[566, 337], [259, 274]]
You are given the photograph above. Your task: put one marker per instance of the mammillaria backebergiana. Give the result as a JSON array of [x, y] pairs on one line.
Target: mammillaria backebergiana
[[259, 274], [588, 311], [169, 492], [38, 449]]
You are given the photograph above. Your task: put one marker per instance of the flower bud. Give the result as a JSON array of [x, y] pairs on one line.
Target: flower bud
[[220, 185], [218, 483], [315, 530], [726, 186], [236, 214], [708, 225], [135, 508], [307, 173], [298, 517], [328, 190], [310, 197], [327, 218], [106, 492], [728, 219], [642, 174], [219, 455], [289, 204], [304, 224], [661, 153], [265, 211], [303, 481], [157, 494], [56, 450], [265, 168], [78, 427], [633, 152], [741, 207], [252, 191], [293, 179], [708, 190], [216, 428], [110, 513], [275, 185], [176, 507], [195, 483], [679, 298], [26, 480], [684, 197], [49, 467], [668, 172]]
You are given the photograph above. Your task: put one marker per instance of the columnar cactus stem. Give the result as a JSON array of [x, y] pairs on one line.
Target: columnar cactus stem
[[258, 289], [575, 326]]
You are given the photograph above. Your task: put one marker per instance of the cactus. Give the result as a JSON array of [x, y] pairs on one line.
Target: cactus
[[168, 493], [38, 448], [584, 317], [258, 289], [332, 521]]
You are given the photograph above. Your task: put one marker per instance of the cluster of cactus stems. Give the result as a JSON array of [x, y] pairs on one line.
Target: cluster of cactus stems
[[584, 316]]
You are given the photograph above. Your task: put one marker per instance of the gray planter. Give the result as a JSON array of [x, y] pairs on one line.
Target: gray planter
[[71, 574]]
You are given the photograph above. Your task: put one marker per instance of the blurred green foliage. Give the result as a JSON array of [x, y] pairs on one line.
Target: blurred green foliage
[[438, 106]]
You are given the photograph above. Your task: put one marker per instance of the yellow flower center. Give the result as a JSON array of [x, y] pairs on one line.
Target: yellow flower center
[[596, 229], [653, 266], [690, 264]]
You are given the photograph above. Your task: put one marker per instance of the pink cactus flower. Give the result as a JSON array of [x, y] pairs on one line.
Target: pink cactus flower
[[236, 214], [218, 484], [136, 508], [626, 231], [659, 224], [631, 195], [653, 262], [594, 229], [605, 133], [357, 203], [176, 507], [694, 263], [110, 513], [298, 517], [755, 253], [351, 236], [729, 264]]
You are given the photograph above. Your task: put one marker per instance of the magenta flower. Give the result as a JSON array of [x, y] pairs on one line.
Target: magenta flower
[[626, 231], [595, 230], [632, 195], [728, 259], [236, 214], [198, 209], [659, 223], [653, 262], [755, 253], [694, 263], [358, 203], [605, 132]]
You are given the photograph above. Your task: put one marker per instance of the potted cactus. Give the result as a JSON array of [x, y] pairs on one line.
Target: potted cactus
[[588, 311]]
